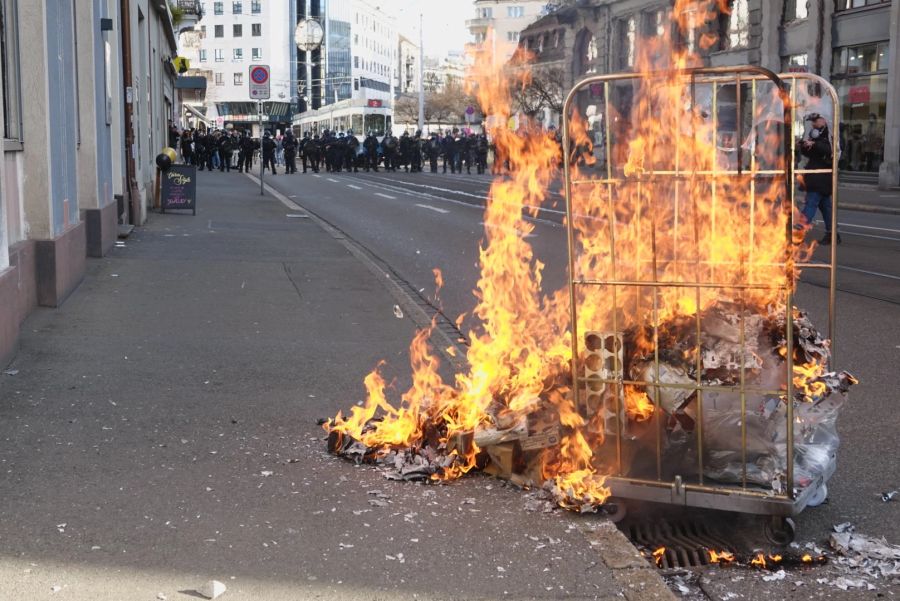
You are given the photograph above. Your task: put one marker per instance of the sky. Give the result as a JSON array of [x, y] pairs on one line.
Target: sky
[[445, 22]]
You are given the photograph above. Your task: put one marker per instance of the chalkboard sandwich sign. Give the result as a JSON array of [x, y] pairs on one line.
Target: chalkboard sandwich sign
[[179, 188]]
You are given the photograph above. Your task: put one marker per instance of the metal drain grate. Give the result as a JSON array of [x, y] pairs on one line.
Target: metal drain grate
[[687, 544]]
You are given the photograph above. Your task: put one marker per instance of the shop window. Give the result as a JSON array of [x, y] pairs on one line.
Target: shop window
[[859, 74]]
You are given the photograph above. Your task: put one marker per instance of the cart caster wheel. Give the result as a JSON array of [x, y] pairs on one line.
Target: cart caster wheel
[[818, 497], [780, 531], [615, 510]]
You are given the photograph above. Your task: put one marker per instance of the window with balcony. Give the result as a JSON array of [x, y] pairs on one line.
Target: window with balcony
[[218, 8], [655, 22], [255, 7], [203, 56], [219, 55], [237, 30], [486, 13], [851, 4], [627, 41], [220, 31], [795, 10], [256, 29], [238, 79], [11, 79], [256, 54], [237, 8], [237, 54], [735, 29], [514, 12]]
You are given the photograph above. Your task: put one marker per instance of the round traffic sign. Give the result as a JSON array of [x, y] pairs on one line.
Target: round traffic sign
[[259, 75]]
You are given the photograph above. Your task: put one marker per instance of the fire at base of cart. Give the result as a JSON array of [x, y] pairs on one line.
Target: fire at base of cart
[[675, 359]]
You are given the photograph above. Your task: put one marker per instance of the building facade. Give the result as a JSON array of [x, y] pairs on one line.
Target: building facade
[[231, 36], [357, 60], [498, 23], [407, 81], [848, 42], [88, 95]]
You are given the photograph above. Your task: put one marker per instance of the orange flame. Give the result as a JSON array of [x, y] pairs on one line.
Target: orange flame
[[720, 556], [658, 556], [699, 226]]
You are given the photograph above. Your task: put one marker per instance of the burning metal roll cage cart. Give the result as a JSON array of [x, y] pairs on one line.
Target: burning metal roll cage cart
[[744, 498]]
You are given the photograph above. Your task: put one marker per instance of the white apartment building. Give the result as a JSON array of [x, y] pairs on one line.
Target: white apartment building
[[235, 34], [407, 81], [497, 24]]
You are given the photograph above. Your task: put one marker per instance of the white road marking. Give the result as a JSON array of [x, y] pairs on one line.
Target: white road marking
[[431, 208], [316, 175], [331, 179], [354, 187], [296, 216], [875, 273], [388, 196], [864, 227]]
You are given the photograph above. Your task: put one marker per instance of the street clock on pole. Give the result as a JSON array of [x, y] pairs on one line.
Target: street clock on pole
[[308, 35]]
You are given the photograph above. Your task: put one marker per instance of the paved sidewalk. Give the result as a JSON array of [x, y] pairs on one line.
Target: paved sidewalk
[[138, 437]]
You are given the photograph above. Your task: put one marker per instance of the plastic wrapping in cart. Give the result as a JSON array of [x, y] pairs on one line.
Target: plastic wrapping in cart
[[751, 449]]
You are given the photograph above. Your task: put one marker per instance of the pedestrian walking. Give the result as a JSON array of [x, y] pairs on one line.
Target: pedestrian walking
[[816, 147]]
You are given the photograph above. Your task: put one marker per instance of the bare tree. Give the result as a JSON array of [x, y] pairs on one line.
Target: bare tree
[[542, 88], [406, 109]]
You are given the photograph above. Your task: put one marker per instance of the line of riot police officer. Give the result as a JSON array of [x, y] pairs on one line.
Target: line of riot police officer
[[337, 151]]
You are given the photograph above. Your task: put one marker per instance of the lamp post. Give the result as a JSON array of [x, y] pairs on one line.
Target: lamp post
[[421, 74]]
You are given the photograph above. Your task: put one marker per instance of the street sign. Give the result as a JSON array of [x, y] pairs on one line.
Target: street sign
[[259, 82], [374, 103]]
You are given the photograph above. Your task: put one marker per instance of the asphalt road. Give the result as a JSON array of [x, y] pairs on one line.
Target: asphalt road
[[415, 222]]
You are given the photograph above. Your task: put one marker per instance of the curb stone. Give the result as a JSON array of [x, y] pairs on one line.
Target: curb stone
[[639, 581]]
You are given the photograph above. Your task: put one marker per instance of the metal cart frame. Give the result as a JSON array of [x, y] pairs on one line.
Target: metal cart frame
[[739, 497]]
